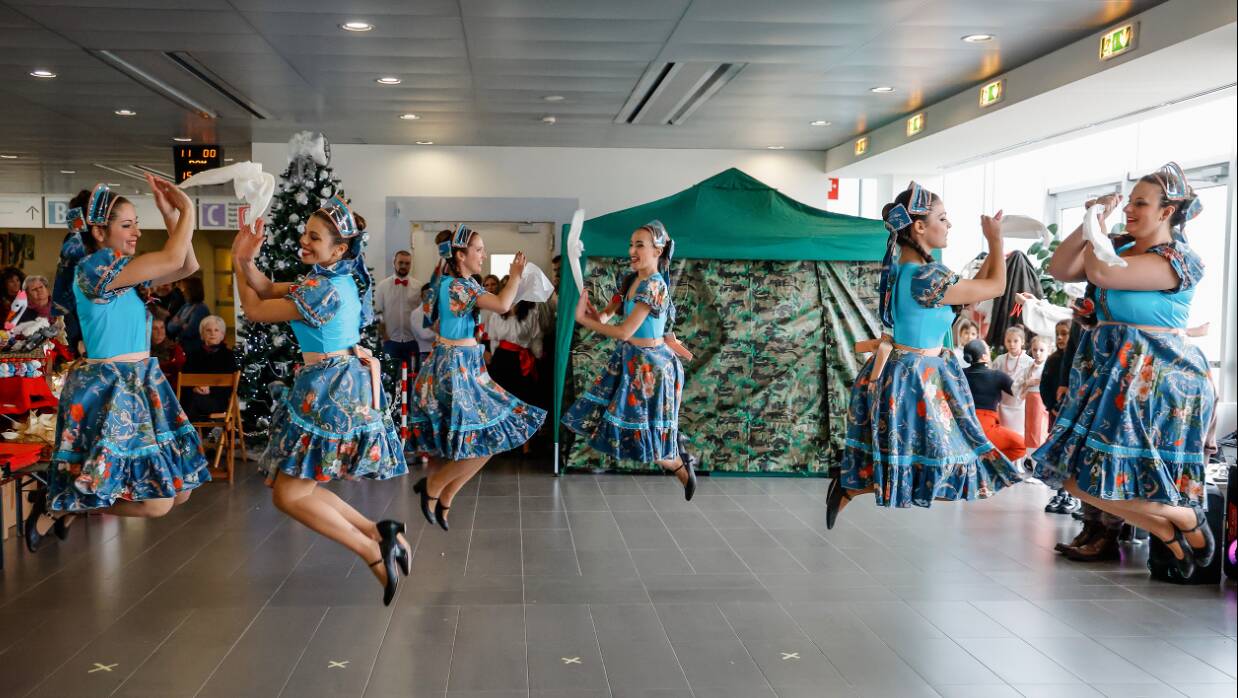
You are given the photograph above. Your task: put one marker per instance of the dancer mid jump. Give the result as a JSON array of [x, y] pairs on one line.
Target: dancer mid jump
[[912, 432], [1129, 437], [332, 424]]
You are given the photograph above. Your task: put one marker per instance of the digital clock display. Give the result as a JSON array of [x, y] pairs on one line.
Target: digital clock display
[[189, 160]]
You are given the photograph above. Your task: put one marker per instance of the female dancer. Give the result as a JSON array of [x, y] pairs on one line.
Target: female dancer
[[123, 444], [1129, 437], [912, 432], [632, 409], [332, 424], [458, 414]]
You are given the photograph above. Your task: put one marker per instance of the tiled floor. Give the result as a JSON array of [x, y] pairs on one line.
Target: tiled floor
[[589, 586]]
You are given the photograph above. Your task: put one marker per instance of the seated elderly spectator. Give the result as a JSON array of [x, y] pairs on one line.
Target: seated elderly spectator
[[213, 357], [38, 299]]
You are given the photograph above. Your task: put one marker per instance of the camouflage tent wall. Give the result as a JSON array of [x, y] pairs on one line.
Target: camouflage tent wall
[[768, 388]]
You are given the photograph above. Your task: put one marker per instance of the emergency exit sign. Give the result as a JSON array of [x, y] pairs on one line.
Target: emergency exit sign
[[992, 93], [1116, 42]]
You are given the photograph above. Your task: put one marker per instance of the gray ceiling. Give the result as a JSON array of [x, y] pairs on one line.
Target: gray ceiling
[[477, 70]]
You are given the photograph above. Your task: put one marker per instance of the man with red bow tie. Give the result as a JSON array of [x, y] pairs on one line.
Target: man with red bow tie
[[394, 300]]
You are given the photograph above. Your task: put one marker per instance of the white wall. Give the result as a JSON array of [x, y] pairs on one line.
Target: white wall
[[603, 179]]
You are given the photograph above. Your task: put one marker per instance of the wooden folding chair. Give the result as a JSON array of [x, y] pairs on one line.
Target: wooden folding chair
[[229, 420]]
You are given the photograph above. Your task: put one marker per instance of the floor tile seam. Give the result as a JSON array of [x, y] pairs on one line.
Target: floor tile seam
[[735, 634], [153, 652], [1015, 635], [776, 541], [240, 636], [369, 675], [571, 537], [468, 548], [597, 642], [1170, 640], [301, 657], [84, 559], [451, 658], [127, 610], [668, 532]]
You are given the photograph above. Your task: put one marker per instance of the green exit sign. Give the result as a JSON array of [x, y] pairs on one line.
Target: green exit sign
[[1117, 41], [992, 93], [915, 124]]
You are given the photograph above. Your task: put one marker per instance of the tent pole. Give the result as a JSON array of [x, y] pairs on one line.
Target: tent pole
[[556, 459]]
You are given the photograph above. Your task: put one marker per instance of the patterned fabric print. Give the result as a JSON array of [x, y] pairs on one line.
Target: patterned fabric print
[[316, 299], [929, 283], [458, 412], [98, 270], [632, 410], [462, 294], [653, 293], [121, 434], [916, 437], [326, 429], [1186, 263], [1134, 422], [767, 390]]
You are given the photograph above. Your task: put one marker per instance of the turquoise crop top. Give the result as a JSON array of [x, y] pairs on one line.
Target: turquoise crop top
[[457, 297], [654, 293], [113, 322], [1169, 308], [330, 308], [920, 318]]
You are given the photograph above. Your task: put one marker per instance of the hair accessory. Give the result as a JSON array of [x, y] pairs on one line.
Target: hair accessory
[[658, 232], [75, 220], [341, 217], [444, 249], [921, 199], [1173, 179], [461, 237], [100, 206], [898, 218], [1193, 209]]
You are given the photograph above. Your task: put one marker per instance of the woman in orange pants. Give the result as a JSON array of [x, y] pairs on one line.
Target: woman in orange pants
[[987, 385]]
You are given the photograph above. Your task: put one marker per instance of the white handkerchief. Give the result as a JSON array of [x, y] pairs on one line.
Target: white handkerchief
[[575, 249], [252, 185], [534, 285], [1094, 232]]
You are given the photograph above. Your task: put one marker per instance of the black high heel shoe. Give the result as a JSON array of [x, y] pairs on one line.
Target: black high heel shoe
[[38, 507], [426, 511], [389, 529], [440, 514], [392, 580], [1203, 556], [1185, 565], [833, 502], [688, 460], [61, 527]]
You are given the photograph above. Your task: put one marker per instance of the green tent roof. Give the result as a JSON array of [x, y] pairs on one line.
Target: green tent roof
[[733, 216]]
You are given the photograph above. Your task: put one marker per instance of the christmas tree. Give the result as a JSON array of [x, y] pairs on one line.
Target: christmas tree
[[268, 353]]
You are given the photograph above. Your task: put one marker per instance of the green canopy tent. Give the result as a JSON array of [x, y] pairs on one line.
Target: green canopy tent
[[731, 217]]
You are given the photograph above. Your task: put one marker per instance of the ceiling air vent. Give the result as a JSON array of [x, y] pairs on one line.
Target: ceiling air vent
[[668, 93], [211, 79]]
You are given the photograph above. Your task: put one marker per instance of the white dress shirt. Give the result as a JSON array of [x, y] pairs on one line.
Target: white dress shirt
[[394, 304]]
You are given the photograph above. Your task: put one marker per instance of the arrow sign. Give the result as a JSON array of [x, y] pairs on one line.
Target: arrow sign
[[33, 212]]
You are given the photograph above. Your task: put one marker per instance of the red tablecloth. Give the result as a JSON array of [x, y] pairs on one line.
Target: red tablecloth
[[15, 457], [20, 395]]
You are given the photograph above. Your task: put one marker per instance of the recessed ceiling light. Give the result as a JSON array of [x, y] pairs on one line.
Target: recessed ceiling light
[[6, 156], [229, 159], [549, 119], [977, 38], [882, 89], [425, 142], [181, 139], [356, 26], [389, 80], [113, 184], [409, 117], [42, 74], [68, 172], [819, 122], [554, 98], [775, 147], [125, 112]]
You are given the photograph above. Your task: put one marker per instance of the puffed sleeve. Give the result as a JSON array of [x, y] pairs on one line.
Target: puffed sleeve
[[462, 295], [316, 298], [1185, 262], [653, 293], [929, 283], [98, 270]]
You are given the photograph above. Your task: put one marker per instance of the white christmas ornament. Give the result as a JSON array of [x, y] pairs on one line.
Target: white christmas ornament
[[302, 198], [326, 192], [294, 217], [309, 144]]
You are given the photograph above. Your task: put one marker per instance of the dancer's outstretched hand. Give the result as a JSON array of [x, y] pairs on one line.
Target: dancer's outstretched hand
[[247, 243], [169, 195], [162, 202], [584, 308], [517, 268], [991, 226], [1109, 201]]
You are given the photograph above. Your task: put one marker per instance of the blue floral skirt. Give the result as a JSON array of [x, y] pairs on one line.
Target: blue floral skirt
[[326, 427], [121, 435], [916, 437], [458, 412], [632, 409], [1135, 419]]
